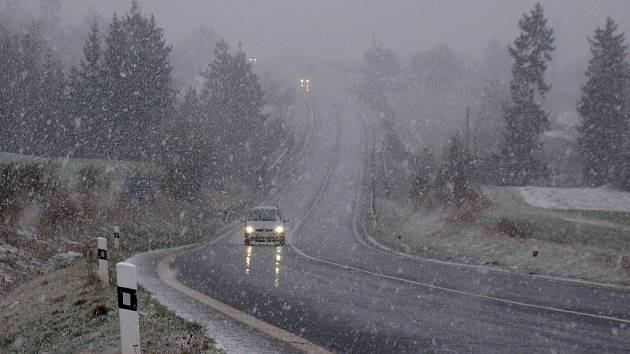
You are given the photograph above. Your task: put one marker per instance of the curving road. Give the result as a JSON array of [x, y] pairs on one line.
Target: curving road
[[334, 289]]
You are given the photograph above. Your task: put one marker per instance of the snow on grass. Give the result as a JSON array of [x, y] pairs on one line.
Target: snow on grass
[[601, 198], [563, 249]]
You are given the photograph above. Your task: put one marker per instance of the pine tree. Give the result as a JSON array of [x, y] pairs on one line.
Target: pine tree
[[438, 69], [9, 78], [525, 119], [602, 106], [148, 70], [30, 112], [88, 97], [234, 100], [454, 180], [114, 91], [138, 91], [53, 126], [382, 66], [424, 168], [491, 96], [33, 87], [188, 150]]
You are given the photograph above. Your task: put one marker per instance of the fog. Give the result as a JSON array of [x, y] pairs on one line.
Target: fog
[[423, 188], [332, 27]]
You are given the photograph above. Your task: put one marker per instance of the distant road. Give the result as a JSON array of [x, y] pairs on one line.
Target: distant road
[[345, 296]]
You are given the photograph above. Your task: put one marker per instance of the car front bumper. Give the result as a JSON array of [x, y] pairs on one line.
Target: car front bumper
[[264, 237]]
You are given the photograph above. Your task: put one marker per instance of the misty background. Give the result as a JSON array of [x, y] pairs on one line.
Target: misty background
[[463, 43], [343, 30], [406, 26]]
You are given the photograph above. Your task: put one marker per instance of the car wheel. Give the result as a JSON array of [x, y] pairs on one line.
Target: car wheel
[[247, 242], [282, 241]]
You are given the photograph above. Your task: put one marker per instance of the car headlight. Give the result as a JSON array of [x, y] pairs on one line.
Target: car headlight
[[249, 229], [279, 229]]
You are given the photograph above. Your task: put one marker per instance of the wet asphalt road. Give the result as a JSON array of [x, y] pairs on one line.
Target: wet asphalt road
[[331, 288]]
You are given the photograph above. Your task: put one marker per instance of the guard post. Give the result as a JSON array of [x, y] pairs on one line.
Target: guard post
[[128, 308], [103, 273], [116, 237]]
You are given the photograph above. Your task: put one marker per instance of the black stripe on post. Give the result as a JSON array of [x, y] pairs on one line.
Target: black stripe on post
[[127, 299], [116, 235], [102, 254]]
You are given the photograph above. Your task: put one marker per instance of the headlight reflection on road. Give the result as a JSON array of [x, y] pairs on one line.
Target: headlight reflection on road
[[276, 279], [248, 259], [275, 262]]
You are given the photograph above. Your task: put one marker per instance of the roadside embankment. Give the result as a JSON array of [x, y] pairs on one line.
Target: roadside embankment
[[67, 311], [509, 234]]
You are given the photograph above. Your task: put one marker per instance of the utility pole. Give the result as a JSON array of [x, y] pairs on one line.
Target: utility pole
[[468, 128]]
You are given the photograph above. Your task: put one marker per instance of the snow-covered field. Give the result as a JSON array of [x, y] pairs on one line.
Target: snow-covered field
[[601, 198]]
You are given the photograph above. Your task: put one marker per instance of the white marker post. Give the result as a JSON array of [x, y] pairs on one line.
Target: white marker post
[[116, 237], [103, 273], [128, 308]]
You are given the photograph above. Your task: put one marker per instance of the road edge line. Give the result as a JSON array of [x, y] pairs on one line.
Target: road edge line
[[167, 277], [418, 283], [369, 241]]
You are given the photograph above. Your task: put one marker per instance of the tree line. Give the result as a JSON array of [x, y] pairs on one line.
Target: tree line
[[119, 102], [503, 145], [604, 121]]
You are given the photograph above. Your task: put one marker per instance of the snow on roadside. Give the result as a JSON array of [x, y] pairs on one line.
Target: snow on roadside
[[602, 198]]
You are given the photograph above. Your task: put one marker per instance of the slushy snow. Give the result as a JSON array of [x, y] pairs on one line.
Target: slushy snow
[[602, 198]]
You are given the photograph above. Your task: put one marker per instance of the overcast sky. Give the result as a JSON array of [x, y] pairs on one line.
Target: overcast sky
[[311, 27]]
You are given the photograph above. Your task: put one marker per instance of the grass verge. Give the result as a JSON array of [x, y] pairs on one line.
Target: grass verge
[[617, 217], [554, 229], [67, 311], [511, 235]]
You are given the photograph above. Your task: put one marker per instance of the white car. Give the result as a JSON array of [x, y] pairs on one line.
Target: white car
[[264, 224]]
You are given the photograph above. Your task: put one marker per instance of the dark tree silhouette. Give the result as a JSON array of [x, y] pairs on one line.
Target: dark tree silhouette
[[602, 106], [525, 119]]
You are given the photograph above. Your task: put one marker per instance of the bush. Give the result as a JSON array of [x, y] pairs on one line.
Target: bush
[[98, 309], [58, 209], [22, 183], [30, 178], [10, 205], [424, 168], [90, 180], [454, 185], [620, 173], [184, 178], [512, 229]]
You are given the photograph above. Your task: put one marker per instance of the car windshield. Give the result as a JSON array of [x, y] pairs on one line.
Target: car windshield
[[264, 215]]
